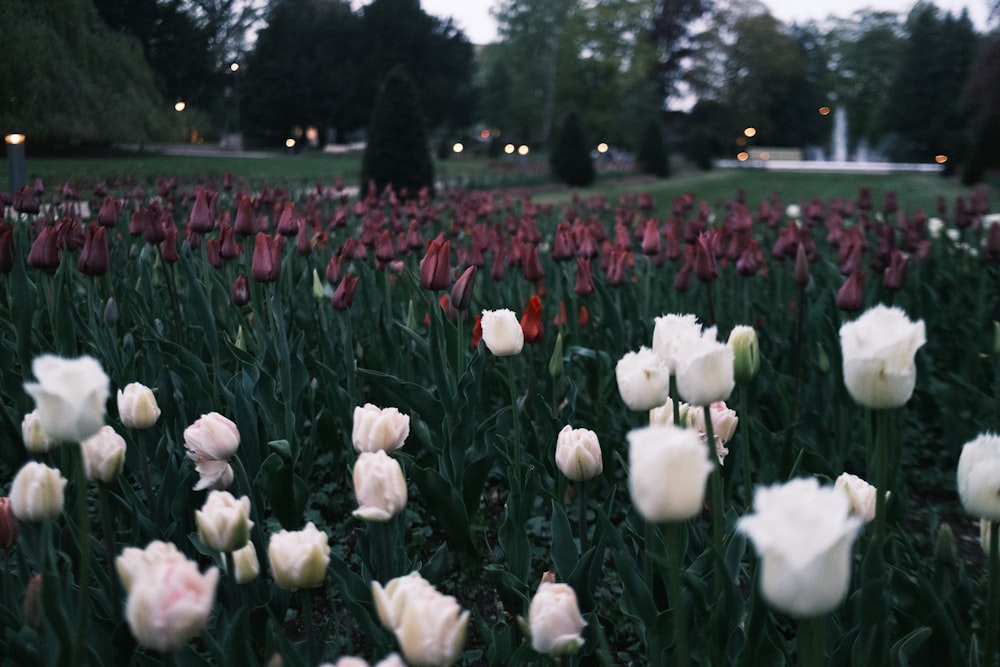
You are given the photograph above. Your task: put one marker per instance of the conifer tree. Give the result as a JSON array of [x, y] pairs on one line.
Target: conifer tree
[[570, 158]]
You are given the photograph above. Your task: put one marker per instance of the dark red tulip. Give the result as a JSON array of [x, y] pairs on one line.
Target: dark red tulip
[[705, 267], [6, 248], [801, 275], [477, 331], [531, 264], [303, 241], [682, 281], [435, 267], [414, 240], [108, 215], [241, 291], [851, 296], [895, 274], [245, 223], [201, 220], [651, 238], [497, 267], [9, 527], [461, 291], [531, 321], [228, 248], [266, 264], [584, 286], [991, 250], [212, 253], [153, 224], [288, 221], [334, 268], [343, 296], [94, 259], [168, 248], [26, 201], [385, 252], [44, 252], [562, 244], [617, 272], [748, 264]]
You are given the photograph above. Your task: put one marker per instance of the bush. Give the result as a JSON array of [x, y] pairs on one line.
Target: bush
[[397, 153], [651, 153], [570, 159]]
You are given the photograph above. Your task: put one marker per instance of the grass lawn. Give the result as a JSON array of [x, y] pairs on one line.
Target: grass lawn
[[527, 174]]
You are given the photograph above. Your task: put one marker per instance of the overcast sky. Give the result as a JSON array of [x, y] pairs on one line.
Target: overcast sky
[[473, 16]]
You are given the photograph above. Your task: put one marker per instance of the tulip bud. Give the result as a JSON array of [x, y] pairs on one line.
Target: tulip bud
[[36, 493], [379, 486], [70, 396], [705, 372], [531, 321], [945, 548], [502, 332], [377, 429], [746, 353], [643, 379], [137, 407], [435, 267], [317, 286], [851, 295], [462, 290], [111, 312], [555, 620], [9, 528], [801, 275], [556, 360], [34, 439], [224, 522], [430, 627], [578, 454], [878, 351], [705, 267], [668, 467], [861, 495], [200, 219], [169, 604], [103, 455], [246, 566], [240, 293], [211, 437], [299, 558], [343, 296]]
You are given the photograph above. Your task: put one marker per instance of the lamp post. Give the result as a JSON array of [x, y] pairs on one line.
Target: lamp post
[[15, 161]]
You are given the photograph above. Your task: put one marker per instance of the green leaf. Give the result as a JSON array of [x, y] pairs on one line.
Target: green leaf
[[905, 647], [564, 549]]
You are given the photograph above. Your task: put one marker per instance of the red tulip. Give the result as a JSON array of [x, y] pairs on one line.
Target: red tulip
[[895, 274], [651, 238], [168, 247], [801, 274], [584, 278], [266, 264], [201, 217], [343, 296], [241, 291], [108, 215], [245, 223], [531, 321], [385, 252], [531, 264], [44, 252], [851, 296], [562, 243], [435, 267], [94, 259], [461, 291], [6, 248], [705, 267], [477, 331], [228, 248]]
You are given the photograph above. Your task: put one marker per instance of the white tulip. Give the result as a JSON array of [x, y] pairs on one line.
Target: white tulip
[[878, 350]]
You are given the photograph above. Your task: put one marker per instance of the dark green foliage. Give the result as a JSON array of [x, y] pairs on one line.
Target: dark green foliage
[[570, 158], [651, 153], [66, 78], [397, 153]]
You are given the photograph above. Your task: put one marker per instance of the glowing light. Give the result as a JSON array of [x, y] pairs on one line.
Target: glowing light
[[180, 106], [523, 149], [234, 67], [750, 131], [14, 139], [940, 159], [742, 156], [509, 149], [824, 111], [484, 134], [765, 155], [289, 143], [457, 147], [602, 147]]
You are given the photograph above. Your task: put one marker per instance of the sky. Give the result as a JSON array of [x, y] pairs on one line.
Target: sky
[[473, 16]]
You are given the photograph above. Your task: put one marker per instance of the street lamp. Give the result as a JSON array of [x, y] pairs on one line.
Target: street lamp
[[15, 161]]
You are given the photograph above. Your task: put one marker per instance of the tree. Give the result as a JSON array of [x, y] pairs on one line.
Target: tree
[[397, 152], [68, 79], [651, 152], [926, 115], [983, 89], [570, 158]]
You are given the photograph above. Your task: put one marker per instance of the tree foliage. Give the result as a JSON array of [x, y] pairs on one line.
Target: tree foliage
[[570, 157], [397, 153], [650, 152], [68, 79]]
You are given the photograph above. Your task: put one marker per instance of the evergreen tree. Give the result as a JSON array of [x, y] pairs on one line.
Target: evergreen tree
[[651, 153], [570, 158], [397, 153]]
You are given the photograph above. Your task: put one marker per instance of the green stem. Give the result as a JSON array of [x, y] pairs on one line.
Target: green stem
[[581, 516], [83, 576], [812, 642], [310, 626], [147, 483], [675, 581], [744, 418], [517, 422], [676, 401], [993, 606], [718, 510], [107, 527], [881, 474]]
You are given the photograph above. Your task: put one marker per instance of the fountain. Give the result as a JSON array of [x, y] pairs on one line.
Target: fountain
[[839, 141]]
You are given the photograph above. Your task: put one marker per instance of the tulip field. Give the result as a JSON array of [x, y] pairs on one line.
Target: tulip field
[[247, 422]]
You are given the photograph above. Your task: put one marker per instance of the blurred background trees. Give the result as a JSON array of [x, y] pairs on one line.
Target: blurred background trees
[[103, 71]]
